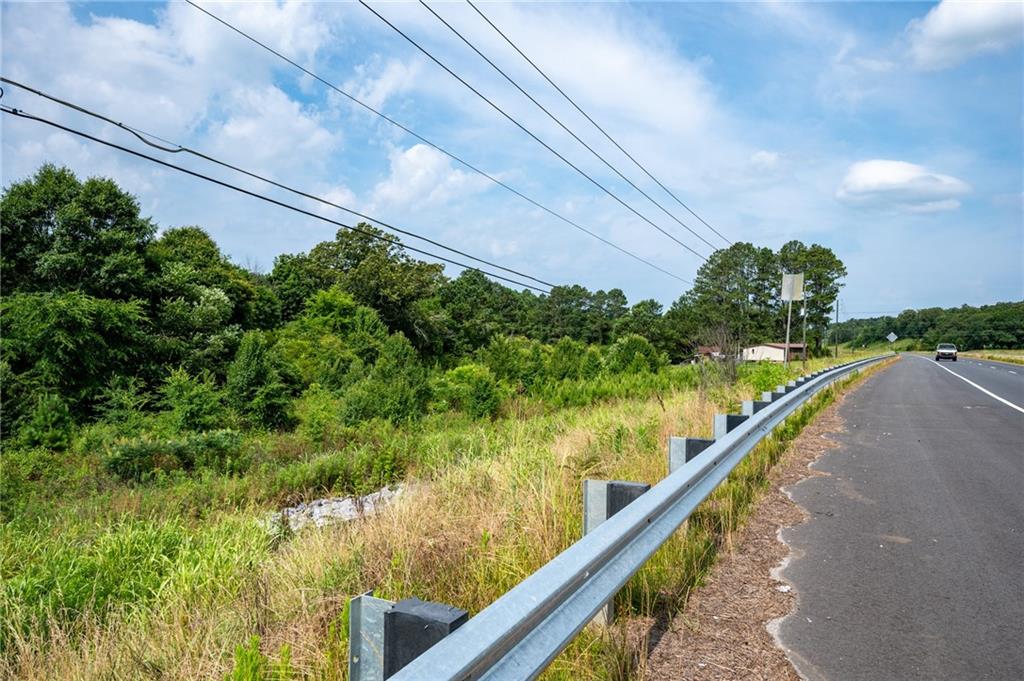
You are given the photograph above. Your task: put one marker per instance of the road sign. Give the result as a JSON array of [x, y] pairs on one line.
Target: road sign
[[892, 337], [793, 286]]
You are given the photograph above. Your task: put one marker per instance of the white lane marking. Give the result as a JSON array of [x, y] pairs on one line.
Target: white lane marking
[[990, 394], [1013, 372]]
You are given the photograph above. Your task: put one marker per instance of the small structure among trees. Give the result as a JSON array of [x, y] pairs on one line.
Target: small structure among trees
[[774, 352]]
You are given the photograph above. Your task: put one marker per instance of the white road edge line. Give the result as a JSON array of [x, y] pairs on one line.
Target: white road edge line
[[990, 394]]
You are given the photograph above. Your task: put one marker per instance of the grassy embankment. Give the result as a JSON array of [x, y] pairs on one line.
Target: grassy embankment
[[176, 579], [1011, 356]]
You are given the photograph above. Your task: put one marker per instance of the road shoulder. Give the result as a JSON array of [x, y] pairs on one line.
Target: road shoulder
[[726, 630]]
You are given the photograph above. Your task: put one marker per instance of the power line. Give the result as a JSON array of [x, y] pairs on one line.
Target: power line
[[527, 130], [22, 114], [561, 124], [175, 148], [451, 155], [594, 123]]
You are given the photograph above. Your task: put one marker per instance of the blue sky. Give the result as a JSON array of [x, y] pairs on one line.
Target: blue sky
[[890, 132]]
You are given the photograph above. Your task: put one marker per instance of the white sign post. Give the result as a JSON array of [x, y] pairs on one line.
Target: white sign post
[[892, 339], [792, 289]]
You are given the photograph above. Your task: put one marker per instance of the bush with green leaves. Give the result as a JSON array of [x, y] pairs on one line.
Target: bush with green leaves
[[396, 389], [49, 424], [472, 389], [143, 458], [566, 359], [521, 362], [254, 386], [591, 364], [633, 354], [193, 403], [318, 411], [763, 376]]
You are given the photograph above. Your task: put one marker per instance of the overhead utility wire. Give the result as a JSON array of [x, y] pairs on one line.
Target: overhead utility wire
[[175, 148], [594, 123], [562, 125], [22, 114], [439, 148], [527, 130]]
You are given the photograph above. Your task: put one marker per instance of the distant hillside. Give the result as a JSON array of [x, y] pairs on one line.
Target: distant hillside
[[1000, 325]]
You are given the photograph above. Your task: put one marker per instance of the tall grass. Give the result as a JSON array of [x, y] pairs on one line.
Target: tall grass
[[142, 582]]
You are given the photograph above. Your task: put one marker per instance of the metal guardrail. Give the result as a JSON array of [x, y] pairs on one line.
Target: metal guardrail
[[518, 635]]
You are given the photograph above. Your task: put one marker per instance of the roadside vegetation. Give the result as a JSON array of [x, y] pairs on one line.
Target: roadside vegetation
[[990, 327], [1011, 356], [159, 401]]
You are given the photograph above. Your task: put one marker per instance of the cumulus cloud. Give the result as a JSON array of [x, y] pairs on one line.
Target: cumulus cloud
[[953, 32], [422, 175], [898, 185]]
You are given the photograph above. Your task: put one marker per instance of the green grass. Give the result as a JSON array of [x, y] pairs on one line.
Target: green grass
[[102, 579], [1010, 356]]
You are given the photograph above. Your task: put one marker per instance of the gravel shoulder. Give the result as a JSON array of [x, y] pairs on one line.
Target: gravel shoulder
[[726, 630]]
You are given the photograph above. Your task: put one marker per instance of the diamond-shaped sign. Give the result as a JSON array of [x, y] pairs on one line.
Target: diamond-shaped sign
[[892, 337]]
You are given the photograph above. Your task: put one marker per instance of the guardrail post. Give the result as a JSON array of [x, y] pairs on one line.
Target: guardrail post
[[726, 422], [601, 500], [751, 407], [384, 636], [682, 449]]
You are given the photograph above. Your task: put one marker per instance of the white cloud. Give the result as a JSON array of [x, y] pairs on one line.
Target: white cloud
[[953, 32], [271, 130], [422, 175], [375, 83], [901, 186]]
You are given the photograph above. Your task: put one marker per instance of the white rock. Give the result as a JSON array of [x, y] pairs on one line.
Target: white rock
[[321, 512]]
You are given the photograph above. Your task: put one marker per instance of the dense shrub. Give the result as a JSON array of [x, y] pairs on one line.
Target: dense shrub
[[520, 361], [566, 360], [194, 403], [318, 412], [591, 363], [254, 384], [49, 424], [472, 389], [140, 459], [632, 354], [763, 376], [396, 389]]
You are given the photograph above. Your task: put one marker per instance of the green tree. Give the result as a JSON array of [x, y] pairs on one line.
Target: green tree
[[822, 274], [98, 244], [396, 389], [737, 290], [381, 275], [28, 219], [194, 403], [69, 344], [644, 319], [255, 388]]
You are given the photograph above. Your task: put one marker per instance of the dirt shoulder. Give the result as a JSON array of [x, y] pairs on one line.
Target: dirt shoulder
[[723, 632]]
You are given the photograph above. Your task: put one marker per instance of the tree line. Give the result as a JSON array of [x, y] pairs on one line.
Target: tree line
[[1000, 325], [103, 315]]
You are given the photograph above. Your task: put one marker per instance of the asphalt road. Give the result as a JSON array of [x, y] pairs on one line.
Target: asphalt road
[[912, 564]]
